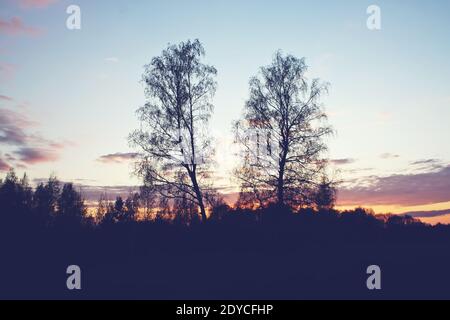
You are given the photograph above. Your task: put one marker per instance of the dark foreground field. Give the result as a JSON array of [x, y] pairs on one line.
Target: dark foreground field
[[277, 256]]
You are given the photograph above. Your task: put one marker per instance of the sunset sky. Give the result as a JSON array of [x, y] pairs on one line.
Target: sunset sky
[[68, 97]]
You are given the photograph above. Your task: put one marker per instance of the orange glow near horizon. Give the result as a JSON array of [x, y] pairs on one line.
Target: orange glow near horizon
[[398, 209], [230, 199]]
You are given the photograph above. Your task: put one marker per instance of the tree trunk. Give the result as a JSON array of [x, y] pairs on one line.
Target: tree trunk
[[280, 187], [198, 194], [280, 182]]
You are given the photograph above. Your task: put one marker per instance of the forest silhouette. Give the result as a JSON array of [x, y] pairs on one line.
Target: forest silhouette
[[177, 238]]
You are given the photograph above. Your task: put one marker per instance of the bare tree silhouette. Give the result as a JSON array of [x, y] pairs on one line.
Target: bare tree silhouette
[[281, 135], [173, 134]]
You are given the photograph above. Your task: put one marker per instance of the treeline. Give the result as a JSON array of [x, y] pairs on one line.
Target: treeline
[[53, 204], [47, 203]]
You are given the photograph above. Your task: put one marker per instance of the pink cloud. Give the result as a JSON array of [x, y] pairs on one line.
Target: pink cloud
[[400, 189], [388, 155], [28, 148], [5, 98], [118, 157], [27, 4], [31, 155], [12, 127], [3, 165], [16, 27], [342, 162]]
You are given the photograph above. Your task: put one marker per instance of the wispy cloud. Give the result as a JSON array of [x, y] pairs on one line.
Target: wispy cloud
[[112, 59], [29, 148], [16, 27], [5, 98], [425, 161], [118, 157], [12, 128], [388, 155], [400, 189], [358, 170], [427, 165], [9, 157], [341, 162], [31, 155], [428, 214], [3, 165]]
